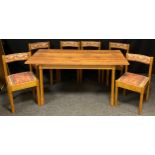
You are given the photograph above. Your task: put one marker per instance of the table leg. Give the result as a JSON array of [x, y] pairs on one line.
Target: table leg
[[41, 85], [113, 87]]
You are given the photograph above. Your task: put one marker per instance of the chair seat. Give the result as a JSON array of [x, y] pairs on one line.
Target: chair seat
[[133, 79], [21, 78]]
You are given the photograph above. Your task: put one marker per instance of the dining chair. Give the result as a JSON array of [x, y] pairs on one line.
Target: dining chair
[[19, 81], [136, 82], [68, 45], [87, 45], [33, 47], [124, 48]]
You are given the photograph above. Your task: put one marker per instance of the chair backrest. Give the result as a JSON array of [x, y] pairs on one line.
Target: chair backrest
[[94, 44], [142, 59], [72, 44], [121, 46], [13, 58], [38, 45]]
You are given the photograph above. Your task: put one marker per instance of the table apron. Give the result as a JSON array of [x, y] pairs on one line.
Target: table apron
[[77, 67]]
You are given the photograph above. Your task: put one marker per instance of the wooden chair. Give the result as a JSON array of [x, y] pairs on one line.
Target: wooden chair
[[136, 82], [21, 80], [91, 44], [120, 46], [68, 45], [33, 47]]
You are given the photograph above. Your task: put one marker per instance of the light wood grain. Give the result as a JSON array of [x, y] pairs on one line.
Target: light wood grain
[[78, 58]]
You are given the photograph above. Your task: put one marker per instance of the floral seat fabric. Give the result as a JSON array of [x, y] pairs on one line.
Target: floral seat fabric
[[21, 78], [133, 79]]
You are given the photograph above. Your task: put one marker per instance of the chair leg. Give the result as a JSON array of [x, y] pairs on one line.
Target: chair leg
[[116, 95], [38, 95], [78, 76], [103, 72], [99, 76], [107, 77], [37, 71], [33, 92], [102, 76], [148, 92], [124, 92], [141, 102], [81, 75], [121, 71], [58, 75], [11, 100], [51, 76]]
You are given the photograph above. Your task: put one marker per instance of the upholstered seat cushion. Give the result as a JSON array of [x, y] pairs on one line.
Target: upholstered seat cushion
[[21, 78], [133, 79]]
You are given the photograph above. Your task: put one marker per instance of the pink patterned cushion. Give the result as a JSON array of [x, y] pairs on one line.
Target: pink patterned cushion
[[21, 78], [133, 79]]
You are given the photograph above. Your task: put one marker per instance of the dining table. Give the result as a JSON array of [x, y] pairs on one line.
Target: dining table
[[77, 59]]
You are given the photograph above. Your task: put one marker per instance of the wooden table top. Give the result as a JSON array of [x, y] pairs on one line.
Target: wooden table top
[[58, 57]]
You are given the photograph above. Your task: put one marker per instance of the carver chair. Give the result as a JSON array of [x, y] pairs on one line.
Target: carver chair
[[121, 46], [95, 45], [21, 80], [68, 45], [135, 82], [33, 47]]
